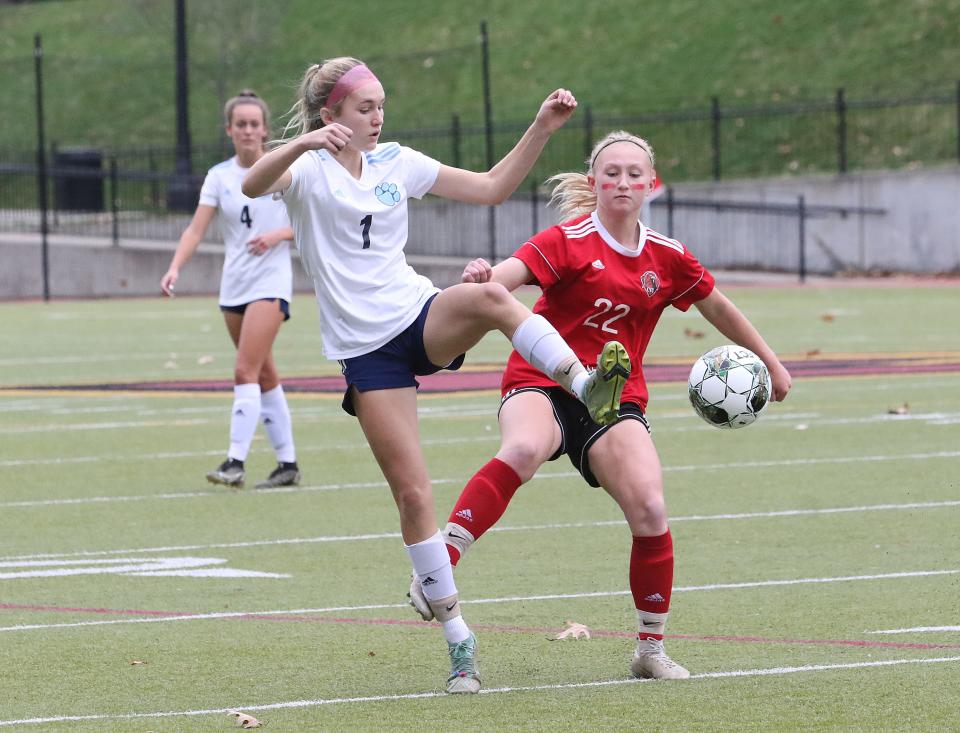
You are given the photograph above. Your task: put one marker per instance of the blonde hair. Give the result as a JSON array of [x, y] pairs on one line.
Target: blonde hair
[[572, 193], [247, 96], [314, 90]]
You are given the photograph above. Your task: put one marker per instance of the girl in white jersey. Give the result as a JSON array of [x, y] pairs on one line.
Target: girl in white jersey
[[347, 199], [601, 265], [255, 292]]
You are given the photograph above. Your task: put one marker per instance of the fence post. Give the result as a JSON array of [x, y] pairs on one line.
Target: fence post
[[154, 183], [534, 206], [588, 132], [802, 236], [841, 106], [488, 125], [41, 166], [670, 211], [715, 135], [114, 205], [455, 139]]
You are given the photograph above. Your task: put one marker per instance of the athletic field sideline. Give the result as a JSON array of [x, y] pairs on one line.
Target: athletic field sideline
[[817, 569]]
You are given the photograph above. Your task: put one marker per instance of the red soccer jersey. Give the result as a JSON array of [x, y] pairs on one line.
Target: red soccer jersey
[[596, 290]]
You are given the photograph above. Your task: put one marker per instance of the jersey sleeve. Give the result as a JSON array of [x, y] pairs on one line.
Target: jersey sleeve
[[693, 281], [300, 170], [421, 172], [210, 191], [545, 256]]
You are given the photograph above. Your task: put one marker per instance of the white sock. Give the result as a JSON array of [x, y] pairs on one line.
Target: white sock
[[537, 341], [455, 630], [244, 419], [275, 414]]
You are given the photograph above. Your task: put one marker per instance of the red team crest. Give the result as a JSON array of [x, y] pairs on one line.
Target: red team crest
[[650, 283]]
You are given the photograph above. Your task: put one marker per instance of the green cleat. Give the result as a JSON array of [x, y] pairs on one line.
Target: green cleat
[[464, 675], [601, 395]]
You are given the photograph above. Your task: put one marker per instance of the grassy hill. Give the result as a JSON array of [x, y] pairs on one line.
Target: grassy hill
[[109, 73]]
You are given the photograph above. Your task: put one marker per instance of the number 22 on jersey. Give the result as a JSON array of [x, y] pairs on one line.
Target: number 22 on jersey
[[604, 307]]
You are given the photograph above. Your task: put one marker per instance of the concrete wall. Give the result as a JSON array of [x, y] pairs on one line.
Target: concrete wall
[[920, 233]]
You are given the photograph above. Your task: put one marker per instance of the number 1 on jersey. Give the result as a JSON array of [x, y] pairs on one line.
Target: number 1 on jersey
[[365, 222]]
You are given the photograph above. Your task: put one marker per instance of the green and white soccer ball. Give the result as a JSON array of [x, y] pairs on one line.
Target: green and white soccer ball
[[729, 386]]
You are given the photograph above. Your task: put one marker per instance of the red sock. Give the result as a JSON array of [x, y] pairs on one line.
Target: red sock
[[483, 500], [651, 573]]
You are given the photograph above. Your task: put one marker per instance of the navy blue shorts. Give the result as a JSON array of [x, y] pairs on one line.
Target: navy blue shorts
[[577, 430], [394, 365], [241, 309]]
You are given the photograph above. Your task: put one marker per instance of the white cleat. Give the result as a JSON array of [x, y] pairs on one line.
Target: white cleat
[[418, 600], [650, 661]]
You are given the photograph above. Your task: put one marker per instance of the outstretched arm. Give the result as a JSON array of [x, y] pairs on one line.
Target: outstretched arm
[[271, 173], [511, 273], [728, 320], [496, 185]]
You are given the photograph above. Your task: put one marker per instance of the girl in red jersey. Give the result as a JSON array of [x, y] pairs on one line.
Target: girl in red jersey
[[604, 275]]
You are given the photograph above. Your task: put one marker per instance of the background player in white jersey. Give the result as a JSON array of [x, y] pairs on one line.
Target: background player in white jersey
[[603, 274], [255, 292], [347, 198]]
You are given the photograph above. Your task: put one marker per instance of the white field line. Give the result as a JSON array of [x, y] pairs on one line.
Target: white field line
[[508, 528], [916, 630], [504, 599], [293, 704], [784, 421], [442, 481]]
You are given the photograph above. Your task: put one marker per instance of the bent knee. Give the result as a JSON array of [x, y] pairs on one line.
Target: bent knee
[[525, 459]]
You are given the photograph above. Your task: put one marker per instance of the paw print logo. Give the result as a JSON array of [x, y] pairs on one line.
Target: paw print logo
[[387, 194]]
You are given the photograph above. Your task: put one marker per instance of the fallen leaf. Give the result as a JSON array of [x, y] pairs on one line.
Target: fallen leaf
[[205, 360], [244, 720], [137, 662], [813, 352], [371, 654], [904, 409], [690, 333], [828, 317], [573, 631]]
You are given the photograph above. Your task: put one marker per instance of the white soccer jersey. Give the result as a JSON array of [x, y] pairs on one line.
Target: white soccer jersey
[[351, 235], [247, 277]]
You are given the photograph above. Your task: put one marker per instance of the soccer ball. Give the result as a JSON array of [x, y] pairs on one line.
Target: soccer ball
[[729, 386]]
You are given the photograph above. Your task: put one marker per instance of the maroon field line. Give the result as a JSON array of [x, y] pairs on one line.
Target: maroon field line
[[494, 628]]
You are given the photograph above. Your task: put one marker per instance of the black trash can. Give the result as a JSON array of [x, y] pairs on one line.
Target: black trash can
[[78, 179]]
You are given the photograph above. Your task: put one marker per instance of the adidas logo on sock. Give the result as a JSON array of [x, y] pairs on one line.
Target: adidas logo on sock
[[267, 421], [655, 598], [428, 581], [468, 515]]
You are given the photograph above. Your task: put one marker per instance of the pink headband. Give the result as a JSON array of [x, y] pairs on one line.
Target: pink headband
[[349, 83]]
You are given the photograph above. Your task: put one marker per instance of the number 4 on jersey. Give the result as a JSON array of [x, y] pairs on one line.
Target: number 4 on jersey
[[245, 217]]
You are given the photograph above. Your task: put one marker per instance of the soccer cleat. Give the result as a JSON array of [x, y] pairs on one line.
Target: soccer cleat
[[418, 600], [464, 675], [285, 474], [602, 392], [230, 473], [650, 661]]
